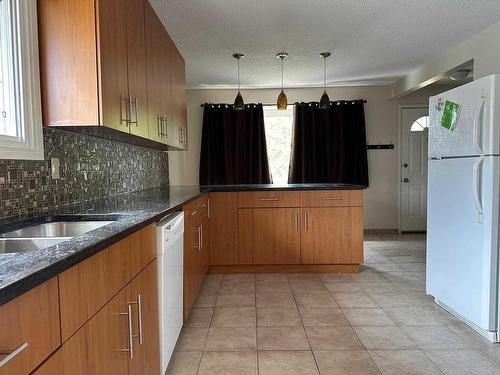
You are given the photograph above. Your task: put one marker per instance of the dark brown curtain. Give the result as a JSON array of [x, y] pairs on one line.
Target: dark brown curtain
[[329, 145], [233, 146]]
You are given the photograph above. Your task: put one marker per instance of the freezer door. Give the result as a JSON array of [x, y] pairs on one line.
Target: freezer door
[[462, 243], [477, 126]]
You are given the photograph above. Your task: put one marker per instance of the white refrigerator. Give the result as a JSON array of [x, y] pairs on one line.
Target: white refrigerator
[[463, 205]]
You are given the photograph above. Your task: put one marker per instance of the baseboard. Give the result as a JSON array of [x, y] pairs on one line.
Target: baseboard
[[286, 268], [382, 231]]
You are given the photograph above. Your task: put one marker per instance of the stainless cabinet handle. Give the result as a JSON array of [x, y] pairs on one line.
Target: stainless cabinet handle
[[197, 230], [134, 103], [269, 199], [208, 208], [159, 126], [10, 354], [130, 348], [139, 318], [194, 212], [296, 221], [201, 236], [127, 112], [332, 198], [166, 126], [306, 224]]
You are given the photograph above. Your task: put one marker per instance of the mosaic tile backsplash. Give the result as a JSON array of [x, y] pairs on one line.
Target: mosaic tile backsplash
[[90, 168]]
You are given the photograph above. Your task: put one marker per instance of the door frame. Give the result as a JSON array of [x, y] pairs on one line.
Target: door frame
[[400, 155]]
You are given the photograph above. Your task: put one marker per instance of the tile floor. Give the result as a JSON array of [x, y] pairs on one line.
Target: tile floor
[[379, 321]]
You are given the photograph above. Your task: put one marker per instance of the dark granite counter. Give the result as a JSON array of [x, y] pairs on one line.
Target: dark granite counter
[[19, 272]]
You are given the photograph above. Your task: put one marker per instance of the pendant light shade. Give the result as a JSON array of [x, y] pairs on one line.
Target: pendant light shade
[[282, 101], [239, 104], [324, 102]]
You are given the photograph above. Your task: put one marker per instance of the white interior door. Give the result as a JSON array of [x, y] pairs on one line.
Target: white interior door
[[414, 140]]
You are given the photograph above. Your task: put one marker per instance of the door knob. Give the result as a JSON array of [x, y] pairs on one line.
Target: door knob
[[405, 165], [405, 180]]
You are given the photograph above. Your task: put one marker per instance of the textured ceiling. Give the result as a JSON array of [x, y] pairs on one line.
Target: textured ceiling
[[372, 41]]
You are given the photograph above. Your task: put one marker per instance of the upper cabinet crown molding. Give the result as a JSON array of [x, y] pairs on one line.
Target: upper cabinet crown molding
[[109, 68]]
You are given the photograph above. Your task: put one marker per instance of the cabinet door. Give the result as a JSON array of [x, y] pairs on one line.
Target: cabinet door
[[142, 294], [223, 209], [205, 245], [269, 236], [191, 244], [101, 346], [178, 92], [332, 235], [113, 79], [136, 59]]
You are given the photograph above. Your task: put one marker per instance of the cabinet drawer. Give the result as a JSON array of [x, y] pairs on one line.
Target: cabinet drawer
[[331, 198], [193, 208], [268, 199], [29, 326]]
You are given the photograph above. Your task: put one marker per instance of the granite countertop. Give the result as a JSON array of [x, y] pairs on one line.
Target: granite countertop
[[20, 272]]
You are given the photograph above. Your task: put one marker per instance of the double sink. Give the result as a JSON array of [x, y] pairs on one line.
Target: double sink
[[50, 231]]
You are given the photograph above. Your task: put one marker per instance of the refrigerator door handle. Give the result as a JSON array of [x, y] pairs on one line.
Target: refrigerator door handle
[[476, 186], [477, 128]]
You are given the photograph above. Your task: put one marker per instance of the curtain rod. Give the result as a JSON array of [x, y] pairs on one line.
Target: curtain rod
[[274, 104]]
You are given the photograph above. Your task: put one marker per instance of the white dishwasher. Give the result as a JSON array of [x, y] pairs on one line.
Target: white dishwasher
[[170, 254]]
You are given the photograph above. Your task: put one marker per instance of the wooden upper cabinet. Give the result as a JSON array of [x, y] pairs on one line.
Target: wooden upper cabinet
[[179, 101], [113, 77], [269, 236], [111, 63], [136, 58]]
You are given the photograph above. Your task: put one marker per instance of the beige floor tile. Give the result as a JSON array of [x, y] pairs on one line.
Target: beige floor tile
[[234, 317], [434, 337], [184, 363], [375, 317], [314, 299], [231, 339], [333, 338], [343, 286], [462, 362], [236, 300], [199, 317], [282, 338], [419, 315], [403, 362], [345, 362], [404, 298], [278, 317], [492, 353], [271, 277], [470, 336], [228, 363], [237, 287], [239, 277], [206, 300], [354, 299], [272, 286], [322, 316], [327, 277], [384, 338], [275, 300], [192, 339], [368, 276], [287, 363]]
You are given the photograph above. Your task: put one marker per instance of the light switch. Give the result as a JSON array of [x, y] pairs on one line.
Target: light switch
[[55, 168]]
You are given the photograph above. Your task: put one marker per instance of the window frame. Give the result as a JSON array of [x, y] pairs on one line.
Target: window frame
[[28, 144]]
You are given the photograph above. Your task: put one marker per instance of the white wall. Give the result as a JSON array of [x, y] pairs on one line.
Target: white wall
[[382, 126], [483, 48]]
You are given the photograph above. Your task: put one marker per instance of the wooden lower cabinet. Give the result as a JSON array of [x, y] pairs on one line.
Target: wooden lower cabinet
[[29, 328], [269, 236], [223, 228], [332, 235], [110, 342]]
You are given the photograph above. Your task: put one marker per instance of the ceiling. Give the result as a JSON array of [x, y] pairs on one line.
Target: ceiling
[[372, 41]]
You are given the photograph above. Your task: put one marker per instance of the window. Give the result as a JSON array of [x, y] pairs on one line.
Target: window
[[420, 124], [278, 139], [20, 108]]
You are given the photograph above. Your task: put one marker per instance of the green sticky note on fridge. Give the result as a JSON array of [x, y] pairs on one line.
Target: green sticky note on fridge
[[450, 115]]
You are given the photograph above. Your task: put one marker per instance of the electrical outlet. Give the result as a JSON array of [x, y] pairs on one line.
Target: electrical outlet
[[55, 168]]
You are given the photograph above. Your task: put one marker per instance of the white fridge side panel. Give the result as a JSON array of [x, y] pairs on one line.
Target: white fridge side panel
[[477, 127], [462, 253]]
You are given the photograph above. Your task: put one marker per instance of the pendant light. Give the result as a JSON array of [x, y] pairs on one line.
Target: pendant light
[[324, 102], [239, 104], [282, 99]]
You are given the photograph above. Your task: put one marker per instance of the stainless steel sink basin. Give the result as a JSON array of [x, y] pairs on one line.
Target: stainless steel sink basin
[[11, 245], [57, 229]]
